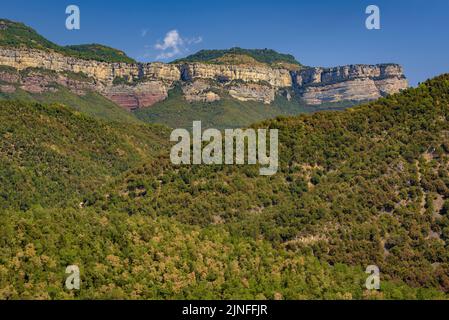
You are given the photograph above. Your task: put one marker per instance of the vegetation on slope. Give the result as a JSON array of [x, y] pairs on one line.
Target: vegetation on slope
[[16, 35], [266, 56], [366, 186], [355, 188], [99, 52], [92, 103], [176, 112], [138, 257], [51, 155]]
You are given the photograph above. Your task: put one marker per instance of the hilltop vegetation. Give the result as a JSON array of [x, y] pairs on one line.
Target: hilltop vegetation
[[16, 35], [266, 56], [99, 52]]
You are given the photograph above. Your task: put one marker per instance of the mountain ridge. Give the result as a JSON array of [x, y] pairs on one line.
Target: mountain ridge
[[16, 35], [243, 75]]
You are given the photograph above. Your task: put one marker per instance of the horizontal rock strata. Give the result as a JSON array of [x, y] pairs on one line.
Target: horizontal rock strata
[[141, 85]]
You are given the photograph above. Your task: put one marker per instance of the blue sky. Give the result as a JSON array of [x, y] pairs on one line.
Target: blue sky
[[414, 33]]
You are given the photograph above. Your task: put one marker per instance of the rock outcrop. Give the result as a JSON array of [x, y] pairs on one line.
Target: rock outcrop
[[21, 59], [253, 92], [199, 91], [131, 86], [138, 95], [35, 80], [353, 82], [277, 78], [141, 85]]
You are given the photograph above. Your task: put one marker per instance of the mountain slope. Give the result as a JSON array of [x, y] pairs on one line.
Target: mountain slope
[[349, 193], [75, 90], [139, 257], [51, 155], [16, 35], [176, 112], [365, 186]]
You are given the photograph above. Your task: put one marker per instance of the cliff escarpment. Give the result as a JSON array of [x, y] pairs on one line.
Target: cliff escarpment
[[32, 63], [353, 82], [140, 85]]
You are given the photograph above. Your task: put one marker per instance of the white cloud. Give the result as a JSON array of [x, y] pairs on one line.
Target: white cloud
[[172, 40], [143, 32], [174, 44], [194, 40]]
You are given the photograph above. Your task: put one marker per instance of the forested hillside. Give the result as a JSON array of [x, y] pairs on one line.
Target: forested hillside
[[124, 256], [365, 186], [51, 154]]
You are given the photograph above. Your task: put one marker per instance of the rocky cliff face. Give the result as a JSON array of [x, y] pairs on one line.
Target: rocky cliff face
[[104, 72], [199, 91], [129, 85], [143, 84], [353, 82], [36, 80], [276, 78], [140, 95]]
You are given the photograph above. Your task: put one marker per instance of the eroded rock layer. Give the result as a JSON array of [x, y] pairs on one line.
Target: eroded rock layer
[[141, 85], [353, 82]]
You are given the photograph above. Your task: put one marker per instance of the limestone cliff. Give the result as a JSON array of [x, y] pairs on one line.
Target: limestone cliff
[[21, 59], [353, 82], [277, 78], [139, 85], [199, 90], [130, 85]]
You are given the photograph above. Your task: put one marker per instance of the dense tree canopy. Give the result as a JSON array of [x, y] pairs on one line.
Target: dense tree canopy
[[365, 186]]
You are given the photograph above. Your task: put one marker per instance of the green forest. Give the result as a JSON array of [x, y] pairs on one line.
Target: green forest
[[18, 35], [364, 186], [267, 56]]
